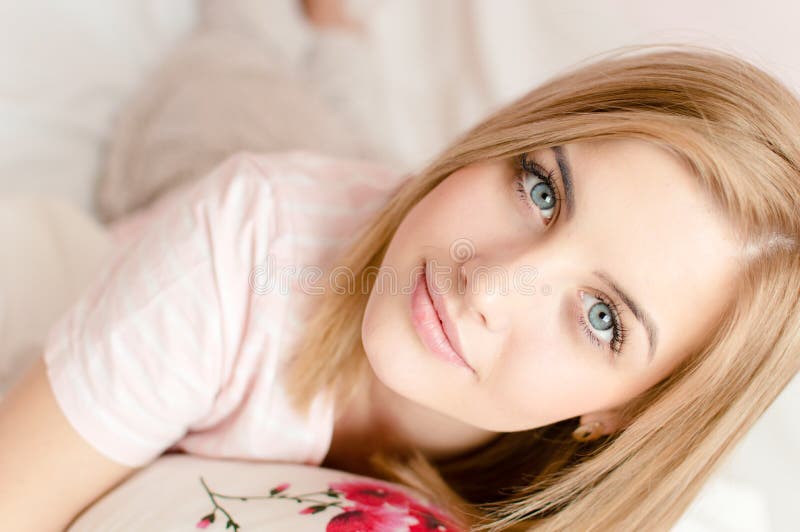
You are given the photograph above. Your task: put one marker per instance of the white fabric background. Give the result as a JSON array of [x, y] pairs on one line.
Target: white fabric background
[[427, 70]]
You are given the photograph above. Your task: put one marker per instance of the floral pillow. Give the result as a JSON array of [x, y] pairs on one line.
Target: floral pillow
[[188, 493]]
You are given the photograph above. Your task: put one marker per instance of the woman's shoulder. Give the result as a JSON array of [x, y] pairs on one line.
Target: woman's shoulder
[[350, 180], [315, 163], [279, 184], [301, 192], [318, 199]]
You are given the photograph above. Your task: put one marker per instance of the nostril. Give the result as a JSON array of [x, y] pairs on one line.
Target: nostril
[[462, 278], [462, 287]]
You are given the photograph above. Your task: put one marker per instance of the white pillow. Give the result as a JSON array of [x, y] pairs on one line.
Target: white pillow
[[181, 492], [169, 495]]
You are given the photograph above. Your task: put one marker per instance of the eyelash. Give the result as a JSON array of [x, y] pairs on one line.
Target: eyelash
[[531, 167], [619, 334], [524, 166]]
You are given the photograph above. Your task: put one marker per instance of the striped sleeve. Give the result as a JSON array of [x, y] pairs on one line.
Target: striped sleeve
[[142, 354]]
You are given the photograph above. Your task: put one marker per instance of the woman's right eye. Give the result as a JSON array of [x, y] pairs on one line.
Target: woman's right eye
[[536, 188]]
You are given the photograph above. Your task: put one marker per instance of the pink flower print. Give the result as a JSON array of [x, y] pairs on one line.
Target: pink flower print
[[373, 498], [372, 494], [370, 519], [279, 488], [430, 520], [365, 506]]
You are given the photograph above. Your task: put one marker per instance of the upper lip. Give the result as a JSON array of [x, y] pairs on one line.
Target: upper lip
[[450, 330]]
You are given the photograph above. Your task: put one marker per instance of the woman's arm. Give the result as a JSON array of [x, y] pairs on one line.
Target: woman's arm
[[48, 473]]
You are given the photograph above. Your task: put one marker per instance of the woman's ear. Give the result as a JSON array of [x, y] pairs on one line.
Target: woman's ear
[[610, 421]]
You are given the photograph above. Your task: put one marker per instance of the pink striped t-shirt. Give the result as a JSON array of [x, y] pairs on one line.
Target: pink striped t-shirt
[[180, 342]]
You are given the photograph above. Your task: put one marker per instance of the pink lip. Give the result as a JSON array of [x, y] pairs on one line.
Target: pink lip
[[441, 309], [433, 324]]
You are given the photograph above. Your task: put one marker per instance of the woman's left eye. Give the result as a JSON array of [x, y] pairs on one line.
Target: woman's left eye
[[536, 188], [602, 325]]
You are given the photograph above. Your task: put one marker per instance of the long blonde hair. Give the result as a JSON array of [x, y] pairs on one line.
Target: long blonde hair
[[739, 130]]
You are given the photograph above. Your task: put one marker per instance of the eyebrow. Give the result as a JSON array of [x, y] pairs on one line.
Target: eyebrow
[[642, 315]]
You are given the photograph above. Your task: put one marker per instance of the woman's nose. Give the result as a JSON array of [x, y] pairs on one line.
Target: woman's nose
[[496, 289]]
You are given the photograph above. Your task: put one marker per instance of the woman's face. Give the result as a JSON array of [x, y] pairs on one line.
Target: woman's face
[[543, 285]]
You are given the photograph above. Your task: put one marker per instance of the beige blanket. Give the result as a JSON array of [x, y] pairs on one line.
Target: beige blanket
[[234, 85]]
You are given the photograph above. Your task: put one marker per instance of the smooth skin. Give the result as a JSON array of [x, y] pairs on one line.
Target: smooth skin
[[48, 473], [639, 215]]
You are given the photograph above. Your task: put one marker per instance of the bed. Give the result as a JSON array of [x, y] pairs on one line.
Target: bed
[[69, 68]]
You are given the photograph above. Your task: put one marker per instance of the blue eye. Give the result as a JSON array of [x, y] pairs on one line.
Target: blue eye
[[536, 188], [604, 319]]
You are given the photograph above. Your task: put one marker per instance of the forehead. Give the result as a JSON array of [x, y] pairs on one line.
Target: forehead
[[642, 216]]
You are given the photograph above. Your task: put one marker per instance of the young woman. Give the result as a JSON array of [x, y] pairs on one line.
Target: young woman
[[564, 322], [653, 195]]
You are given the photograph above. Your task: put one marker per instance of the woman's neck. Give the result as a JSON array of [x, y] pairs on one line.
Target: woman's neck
[[379, 418]]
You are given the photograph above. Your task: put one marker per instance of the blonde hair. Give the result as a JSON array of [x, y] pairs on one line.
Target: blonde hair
[[738, 128]]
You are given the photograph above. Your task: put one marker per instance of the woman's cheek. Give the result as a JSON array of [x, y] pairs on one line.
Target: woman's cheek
[[533, 379]]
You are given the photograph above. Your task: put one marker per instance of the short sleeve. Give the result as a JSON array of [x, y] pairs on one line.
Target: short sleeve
[[142, 354]]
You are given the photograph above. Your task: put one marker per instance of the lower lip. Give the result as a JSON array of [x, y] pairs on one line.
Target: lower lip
[[429, 327]]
